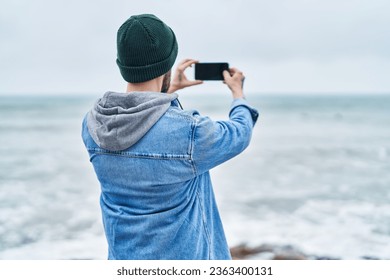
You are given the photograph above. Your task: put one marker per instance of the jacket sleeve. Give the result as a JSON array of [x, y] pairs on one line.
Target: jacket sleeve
[[217, 142]]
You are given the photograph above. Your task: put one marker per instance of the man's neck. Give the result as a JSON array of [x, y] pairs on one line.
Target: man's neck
[[151, 86]]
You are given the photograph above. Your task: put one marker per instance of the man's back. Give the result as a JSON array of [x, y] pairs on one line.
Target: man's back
[[157, 199]]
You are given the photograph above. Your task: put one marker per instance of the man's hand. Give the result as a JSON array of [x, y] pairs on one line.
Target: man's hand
[[179, 80], [234, 79]]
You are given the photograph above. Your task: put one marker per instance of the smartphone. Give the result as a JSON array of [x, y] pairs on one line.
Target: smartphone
[[210, 71]]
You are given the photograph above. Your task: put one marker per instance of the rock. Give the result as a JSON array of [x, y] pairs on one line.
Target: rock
[[266, 251], [290, 256], [274, 252], [278, 252], [243, 251]]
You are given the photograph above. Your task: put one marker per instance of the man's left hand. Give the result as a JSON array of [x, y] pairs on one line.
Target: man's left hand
[[180, 80]]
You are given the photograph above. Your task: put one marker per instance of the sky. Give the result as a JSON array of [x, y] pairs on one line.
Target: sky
[[282, 46]]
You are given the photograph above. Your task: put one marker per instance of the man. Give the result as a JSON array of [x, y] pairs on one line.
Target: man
[[152, 158]]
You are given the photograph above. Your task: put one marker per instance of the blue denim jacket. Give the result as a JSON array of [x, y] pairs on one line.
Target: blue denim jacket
[[157, 199]]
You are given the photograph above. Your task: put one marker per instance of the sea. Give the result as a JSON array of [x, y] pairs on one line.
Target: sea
[[316, 176]]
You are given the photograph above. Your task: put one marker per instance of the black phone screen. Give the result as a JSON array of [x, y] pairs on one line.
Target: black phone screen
[[210, 71]]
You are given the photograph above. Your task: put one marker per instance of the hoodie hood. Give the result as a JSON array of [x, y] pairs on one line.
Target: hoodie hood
[[119, 120]]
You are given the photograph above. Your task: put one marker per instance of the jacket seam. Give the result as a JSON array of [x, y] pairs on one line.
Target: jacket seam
[[194, 125], [150, 156], [204, 220], [178, 115]]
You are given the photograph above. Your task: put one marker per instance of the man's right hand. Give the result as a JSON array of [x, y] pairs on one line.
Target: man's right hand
[[234, 79]]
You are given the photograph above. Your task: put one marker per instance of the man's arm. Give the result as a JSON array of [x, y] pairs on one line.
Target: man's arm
[[217, 142]]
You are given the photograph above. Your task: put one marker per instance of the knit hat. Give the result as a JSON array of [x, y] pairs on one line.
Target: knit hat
[[147, 48]]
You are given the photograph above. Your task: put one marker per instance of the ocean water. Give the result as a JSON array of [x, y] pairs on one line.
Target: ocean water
[[316, 176]]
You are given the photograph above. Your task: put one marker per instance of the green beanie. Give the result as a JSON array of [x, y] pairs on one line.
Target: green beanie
[[147, 48]]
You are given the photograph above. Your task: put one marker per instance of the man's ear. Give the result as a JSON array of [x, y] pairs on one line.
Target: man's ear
[[166, 82]]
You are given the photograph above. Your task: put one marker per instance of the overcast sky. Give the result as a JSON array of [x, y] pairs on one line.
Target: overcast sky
[[298, 46]]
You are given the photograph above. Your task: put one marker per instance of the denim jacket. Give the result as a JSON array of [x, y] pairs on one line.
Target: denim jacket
[[157, 198]]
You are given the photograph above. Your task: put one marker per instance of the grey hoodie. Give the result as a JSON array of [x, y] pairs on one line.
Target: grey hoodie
[[119, 120]]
